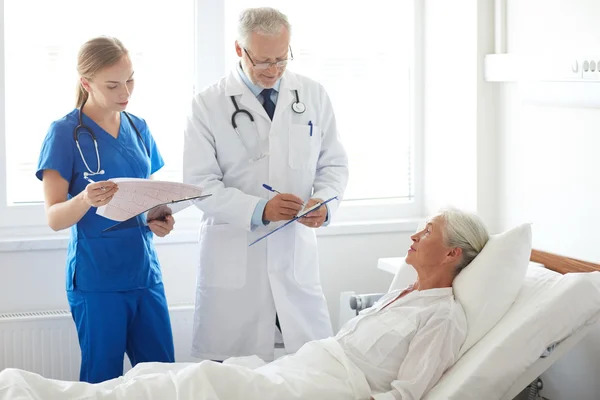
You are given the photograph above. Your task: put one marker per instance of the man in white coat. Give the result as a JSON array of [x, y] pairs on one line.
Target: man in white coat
[[261, 125]]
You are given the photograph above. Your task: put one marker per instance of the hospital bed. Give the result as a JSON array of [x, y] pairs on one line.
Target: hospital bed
[[555, 308]]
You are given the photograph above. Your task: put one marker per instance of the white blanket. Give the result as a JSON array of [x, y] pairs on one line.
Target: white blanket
[[319, 370]]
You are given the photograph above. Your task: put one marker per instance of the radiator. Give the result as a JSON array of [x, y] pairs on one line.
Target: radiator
[[46, 342]]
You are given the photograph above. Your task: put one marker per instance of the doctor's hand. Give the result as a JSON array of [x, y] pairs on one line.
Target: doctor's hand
[[316, 218], [162, 227], [99, 194], [282, 207]]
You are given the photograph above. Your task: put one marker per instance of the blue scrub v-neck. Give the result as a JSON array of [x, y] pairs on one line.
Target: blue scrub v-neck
[[97, 261]]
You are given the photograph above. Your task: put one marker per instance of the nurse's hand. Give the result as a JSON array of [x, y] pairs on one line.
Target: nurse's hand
[[282, 207], [162, 228], [316, 218], [99, 194]]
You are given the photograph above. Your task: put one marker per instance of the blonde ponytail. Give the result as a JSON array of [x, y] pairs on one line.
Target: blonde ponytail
[[81, 96]]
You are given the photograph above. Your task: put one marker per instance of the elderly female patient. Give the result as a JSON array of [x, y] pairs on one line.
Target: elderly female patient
[[397, 349]]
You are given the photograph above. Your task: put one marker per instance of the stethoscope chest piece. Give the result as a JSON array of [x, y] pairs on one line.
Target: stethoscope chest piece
[[298, 107]]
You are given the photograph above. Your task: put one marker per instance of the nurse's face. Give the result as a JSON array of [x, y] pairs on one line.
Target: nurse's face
[[111, 87], [264, 49]]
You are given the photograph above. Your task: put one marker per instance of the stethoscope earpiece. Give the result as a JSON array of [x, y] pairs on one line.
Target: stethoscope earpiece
[[87, 174]]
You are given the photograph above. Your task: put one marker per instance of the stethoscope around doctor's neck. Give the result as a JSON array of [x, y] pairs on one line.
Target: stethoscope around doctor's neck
[[298, 107], [81, 128]]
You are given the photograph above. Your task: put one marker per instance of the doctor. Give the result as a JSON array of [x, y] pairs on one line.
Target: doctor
[[261, 125]]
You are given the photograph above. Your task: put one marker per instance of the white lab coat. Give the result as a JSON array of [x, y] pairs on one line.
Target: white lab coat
[[239, 288]]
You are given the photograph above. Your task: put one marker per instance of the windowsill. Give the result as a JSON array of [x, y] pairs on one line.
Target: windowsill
[[60, 240]]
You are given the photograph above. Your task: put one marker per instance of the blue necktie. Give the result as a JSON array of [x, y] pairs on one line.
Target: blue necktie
[[268, 103]]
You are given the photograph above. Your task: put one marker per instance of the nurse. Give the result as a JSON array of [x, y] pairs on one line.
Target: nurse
[[113, 280]]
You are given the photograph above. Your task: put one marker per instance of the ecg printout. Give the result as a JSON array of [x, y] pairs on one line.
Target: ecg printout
[[137, 195]]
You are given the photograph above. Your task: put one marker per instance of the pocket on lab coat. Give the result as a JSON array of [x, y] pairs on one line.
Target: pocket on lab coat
[[385, 333], [306, 258], [304, 148], [222, 256]]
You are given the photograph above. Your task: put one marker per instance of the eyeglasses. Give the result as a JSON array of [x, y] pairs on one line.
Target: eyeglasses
[[266, 65]]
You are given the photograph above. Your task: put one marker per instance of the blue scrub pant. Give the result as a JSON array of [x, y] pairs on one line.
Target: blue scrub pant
[[110, 324]]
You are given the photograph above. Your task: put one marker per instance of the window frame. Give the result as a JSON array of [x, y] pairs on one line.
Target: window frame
[[393, 209], [29, 220]]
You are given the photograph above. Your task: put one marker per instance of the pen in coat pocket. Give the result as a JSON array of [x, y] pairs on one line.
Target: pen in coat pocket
[[311, 126]]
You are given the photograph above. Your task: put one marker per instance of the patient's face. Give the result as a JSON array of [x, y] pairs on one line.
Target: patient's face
[[428, 249]]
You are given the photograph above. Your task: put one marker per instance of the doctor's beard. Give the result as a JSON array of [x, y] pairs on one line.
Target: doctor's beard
[[256, 78]]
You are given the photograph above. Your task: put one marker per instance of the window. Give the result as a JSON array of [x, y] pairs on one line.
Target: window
[[41, 77], [366, 58], [363, 57]]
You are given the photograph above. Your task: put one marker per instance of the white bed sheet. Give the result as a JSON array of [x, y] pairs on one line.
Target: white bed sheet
[[319, 370], [548, 309]]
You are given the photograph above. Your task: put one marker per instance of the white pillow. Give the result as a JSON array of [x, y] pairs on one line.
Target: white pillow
[[405, 276], [489, 285], [515, 343]]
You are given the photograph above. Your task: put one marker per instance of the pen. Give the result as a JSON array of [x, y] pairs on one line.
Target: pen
[[270, 189], [91, 181], [311, 126]]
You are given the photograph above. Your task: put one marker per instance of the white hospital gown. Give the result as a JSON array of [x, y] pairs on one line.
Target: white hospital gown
[[403, 349]]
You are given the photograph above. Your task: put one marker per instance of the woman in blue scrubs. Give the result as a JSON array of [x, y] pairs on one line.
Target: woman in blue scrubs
[[114, 281]]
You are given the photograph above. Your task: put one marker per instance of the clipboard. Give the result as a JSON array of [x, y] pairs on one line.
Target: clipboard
[[297, 217], [158, 212]]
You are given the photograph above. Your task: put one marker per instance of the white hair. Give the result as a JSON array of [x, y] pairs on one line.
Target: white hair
[[465, 231], [265, 20]]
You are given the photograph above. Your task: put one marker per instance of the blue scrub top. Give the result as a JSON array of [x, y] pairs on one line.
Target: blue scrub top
[[113, 261]]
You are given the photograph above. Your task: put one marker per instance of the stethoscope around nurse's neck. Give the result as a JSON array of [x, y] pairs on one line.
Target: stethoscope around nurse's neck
[[81, 128]]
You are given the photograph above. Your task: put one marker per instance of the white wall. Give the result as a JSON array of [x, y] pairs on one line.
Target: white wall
[[450, 104], [550, 166], [34, 280]]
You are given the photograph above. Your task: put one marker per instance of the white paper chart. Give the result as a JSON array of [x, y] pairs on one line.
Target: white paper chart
[[138, 195]]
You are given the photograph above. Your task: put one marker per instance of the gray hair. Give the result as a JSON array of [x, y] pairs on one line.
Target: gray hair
[[465, 231], [265, 20]]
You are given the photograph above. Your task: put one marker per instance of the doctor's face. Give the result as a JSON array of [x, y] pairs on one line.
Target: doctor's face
[[111, 87], [264, 49]]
